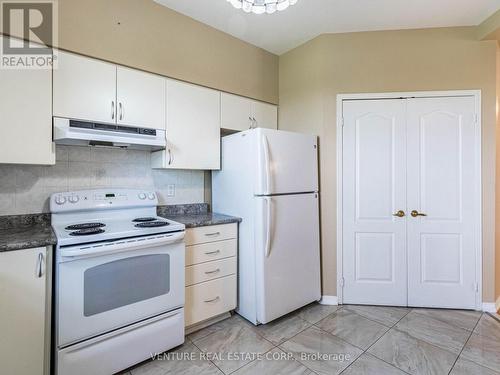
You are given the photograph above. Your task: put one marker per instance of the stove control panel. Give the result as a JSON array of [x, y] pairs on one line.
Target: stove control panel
[[83, 200]]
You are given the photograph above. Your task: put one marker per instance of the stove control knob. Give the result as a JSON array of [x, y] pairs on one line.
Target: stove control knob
[[151, 196], [60, 199], [74, 199], [142, 196]]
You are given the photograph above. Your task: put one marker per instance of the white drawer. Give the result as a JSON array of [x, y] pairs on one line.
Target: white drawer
[[209, 299], [210, 270], [210, 251], [211, 233]]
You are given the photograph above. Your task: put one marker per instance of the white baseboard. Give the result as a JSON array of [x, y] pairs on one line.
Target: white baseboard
[[329, 300], [489, 307]]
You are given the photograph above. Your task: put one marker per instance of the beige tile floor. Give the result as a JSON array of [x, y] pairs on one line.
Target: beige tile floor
[[352, 340]]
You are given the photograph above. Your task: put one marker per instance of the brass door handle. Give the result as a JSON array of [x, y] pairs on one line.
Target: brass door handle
[[415, 213], [400, 213]]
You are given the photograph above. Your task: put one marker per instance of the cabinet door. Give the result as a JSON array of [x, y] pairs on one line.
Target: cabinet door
[[193, 128], [140, 98], [26, 117], [265, 115], [236, 112], [84, 88], [23, 318]]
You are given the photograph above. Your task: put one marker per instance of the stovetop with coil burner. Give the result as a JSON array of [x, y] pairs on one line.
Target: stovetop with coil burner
[[102, 215], [82, 231]]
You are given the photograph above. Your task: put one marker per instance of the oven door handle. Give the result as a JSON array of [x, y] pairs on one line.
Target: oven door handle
[[99, 249]]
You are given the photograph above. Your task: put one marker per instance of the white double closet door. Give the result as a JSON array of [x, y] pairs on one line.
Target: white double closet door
[[404, 155]]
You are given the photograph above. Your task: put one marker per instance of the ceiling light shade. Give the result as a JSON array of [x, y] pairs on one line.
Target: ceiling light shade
[[262, 6]]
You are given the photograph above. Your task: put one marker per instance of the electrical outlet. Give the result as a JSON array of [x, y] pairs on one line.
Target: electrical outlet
[[170, 190]]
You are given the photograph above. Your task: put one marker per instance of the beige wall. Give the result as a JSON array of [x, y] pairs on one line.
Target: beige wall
[[148, 36], [313, 74], [497, 239]]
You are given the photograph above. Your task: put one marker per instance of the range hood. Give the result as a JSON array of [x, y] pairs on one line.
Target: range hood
[[88, 133]]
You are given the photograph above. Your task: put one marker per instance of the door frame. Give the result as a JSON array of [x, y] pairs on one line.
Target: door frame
[[476, 94]]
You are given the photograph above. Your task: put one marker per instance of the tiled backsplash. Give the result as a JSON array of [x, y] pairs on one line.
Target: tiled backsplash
[[26, 188]]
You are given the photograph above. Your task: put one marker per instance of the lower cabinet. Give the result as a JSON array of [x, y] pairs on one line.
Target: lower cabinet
[[211, 272], [25, 280]]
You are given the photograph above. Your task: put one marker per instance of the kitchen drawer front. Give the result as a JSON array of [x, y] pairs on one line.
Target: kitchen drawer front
[[209, 299], [210, 270], [212, 233], [210, 251]]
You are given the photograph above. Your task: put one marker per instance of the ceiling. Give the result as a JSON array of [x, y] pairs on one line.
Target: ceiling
[[282, 31]]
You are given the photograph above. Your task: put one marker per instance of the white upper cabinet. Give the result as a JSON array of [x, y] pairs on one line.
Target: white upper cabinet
[[84, 88], [193, 128], [265, 115], [93, 90], [26, 116], [240, 113], [140, 98], [236, 112]]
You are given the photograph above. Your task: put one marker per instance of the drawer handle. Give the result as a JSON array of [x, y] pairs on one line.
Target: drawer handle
[[212, 252], [212, 272], [212, 234], [213, 300]]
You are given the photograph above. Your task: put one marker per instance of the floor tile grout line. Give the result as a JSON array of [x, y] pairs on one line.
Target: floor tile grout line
[[298, 333], [465, 344], [372, 320], [440, 320], [386, 332], [341, 339], [296, 360], [209, 360], [364, 350], [472, 334], [247, 364], [235, 317], [253, 328], [329, 333], [450, 326]]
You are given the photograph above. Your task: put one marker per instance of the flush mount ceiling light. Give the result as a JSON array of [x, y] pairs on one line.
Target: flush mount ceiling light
[[262, 6]]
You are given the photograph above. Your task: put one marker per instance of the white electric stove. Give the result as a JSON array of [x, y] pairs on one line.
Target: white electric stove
[[119, 290]]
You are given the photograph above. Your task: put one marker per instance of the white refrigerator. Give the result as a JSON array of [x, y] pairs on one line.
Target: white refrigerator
[[269, 178]]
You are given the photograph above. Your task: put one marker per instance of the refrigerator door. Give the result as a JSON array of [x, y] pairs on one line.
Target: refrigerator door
[[287, 254], [286, 162]]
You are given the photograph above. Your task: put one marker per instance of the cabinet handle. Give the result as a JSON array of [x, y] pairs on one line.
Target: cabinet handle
[[212, 252], [212, 272], [252, 122], [39, 266], [112, 110], [170, 159], [121, 110], [415, 213], [212, 234], [212, 300]]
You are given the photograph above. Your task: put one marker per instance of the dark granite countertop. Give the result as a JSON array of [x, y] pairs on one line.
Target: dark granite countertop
[[195, 215], [19, 232]]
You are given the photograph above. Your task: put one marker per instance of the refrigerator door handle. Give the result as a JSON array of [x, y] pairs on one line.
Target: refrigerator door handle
[[269, 226], [267, 163]]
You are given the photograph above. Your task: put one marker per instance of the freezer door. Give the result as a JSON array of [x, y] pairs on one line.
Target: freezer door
[[287, 162], [287, 254]]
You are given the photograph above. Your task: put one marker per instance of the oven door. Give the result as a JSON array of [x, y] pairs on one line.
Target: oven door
[[105, 286]]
